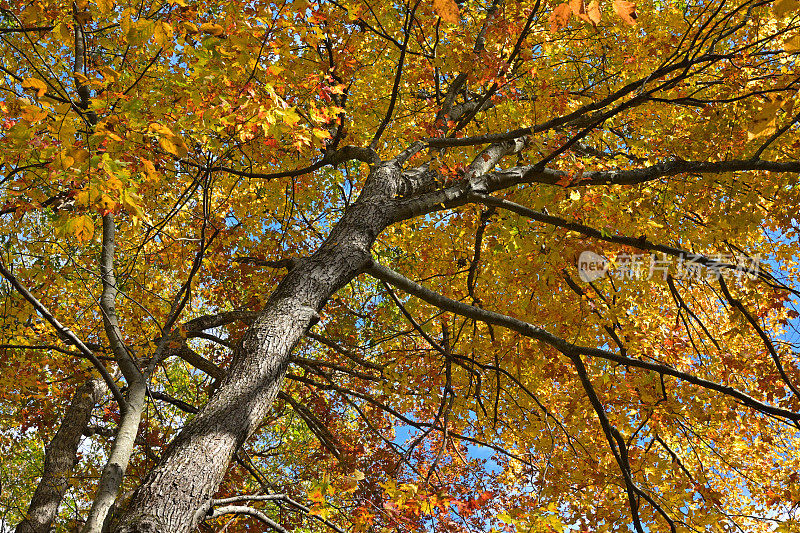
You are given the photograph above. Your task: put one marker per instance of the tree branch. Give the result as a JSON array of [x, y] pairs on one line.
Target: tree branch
[[567, 348], [65, 334]]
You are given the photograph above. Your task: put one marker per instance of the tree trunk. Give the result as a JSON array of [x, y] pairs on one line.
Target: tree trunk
[[59, 459], [176, 496]]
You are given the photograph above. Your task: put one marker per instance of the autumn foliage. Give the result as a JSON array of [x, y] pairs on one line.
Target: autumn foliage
[[165, 164]]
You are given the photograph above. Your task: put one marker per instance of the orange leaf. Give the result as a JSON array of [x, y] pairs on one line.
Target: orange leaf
[[594, 12], [626, 11], [447, 10], [559, 17], [579, 9], [590, 14]]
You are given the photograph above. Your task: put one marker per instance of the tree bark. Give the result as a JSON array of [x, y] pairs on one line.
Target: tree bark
[[59, 459], [176, 496], [130, 412]]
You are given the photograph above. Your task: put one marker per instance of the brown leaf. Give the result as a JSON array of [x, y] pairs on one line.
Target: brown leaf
[[560, 17], [626, 11], [792, 44], [781, 8], [447, 10]]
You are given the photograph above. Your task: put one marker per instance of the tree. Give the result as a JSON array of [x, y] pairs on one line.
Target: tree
[[374, 266]]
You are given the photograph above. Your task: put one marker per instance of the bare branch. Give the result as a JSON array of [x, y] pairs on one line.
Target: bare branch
[[247, 511]]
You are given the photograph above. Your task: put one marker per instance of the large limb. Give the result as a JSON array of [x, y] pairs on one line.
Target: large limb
[[60, 459], [178, 493], [419, 202]]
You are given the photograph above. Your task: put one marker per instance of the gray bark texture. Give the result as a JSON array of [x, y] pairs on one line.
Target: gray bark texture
[[59, 459], [131, 411], [177, 495]]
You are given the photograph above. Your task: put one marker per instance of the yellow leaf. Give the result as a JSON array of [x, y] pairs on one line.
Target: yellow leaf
[[447, 10], [109, 74], [82, 198], [162, 33], [214, 29], [114, 183], [130, 201], [105, 6], [149, 169], [111, 135], [83, 228], [62, 33], [781, 8], [106, 204], [291, 117], [160, 129], [32, 113], [38, 85], [81, 79], [792, 44], [320, 511], [316, 494], [174, 146], [126, 23], [190, 27], [79, 154], [763, 123], [593, 11], [321, 134]]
